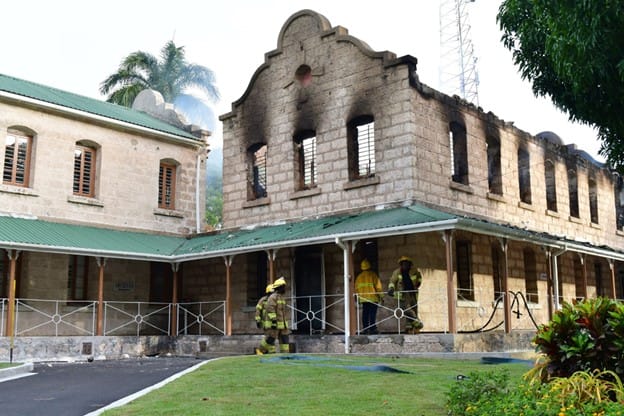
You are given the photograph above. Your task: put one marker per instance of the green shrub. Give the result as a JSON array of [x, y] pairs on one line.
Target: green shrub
[[583, 336], [485, 385], [580, 394]]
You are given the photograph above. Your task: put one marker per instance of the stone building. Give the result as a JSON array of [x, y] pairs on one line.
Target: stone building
[[333, 154]]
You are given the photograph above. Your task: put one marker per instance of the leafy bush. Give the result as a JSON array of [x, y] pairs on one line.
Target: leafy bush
[[580, 394], [487, 385], [583, 336]]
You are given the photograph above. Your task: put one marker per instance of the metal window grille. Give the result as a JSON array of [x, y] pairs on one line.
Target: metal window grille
[[465, 287], [308, 152], [366, 150]]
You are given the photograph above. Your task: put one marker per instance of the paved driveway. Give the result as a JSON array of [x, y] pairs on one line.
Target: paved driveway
[[76, 389]]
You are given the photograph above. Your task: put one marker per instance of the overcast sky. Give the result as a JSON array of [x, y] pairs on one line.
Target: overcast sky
[[75, 44]]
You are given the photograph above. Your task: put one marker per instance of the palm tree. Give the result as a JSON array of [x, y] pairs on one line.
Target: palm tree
[[172, 76]]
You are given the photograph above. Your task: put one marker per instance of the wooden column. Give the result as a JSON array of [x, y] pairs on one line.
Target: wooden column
[[10, 319], [450, 284], [584, 275], [506, 303], [612, 268], [173, 329], [228, 294], [272, 255], [99, 329]]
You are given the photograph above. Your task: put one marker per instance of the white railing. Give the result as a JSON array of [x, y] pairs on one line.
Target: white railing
[[54, 317], [141, 318], [201, 318], [317, 314]]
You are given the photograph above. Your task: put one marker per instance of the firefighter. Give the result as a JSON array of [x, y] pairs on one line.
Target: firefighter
[[261, 320], [406, 284], [276, 312], [368, 287]]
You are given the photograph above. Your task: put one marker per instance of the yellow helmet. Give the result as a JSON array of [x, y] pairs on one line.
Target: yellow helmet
[[365, 265], [405, 258], [269, 288], [279, 282]]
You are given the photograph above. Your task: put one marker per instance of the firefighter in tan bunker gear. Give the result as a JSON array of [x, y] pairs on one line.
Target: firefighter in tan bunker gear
[[261, 320], [276, 313], [406, 284]]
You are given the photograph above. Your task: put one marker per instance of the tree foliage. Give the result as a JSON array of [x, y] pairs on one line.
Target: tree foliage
[[573, 51], [171, 75]]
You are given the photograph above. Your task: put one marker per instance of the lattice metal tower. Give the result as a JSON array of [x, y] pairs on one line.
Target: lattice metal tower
[[458, 65]]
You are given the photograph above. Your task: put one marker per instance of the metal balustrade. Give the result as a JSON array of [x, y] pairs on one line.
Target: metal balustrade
[[54, 317], [317, 314], [201, 318], [143, 318]]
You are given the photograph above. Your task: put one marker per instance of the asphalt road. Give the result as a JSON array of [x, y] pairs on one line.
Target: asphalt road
[[76, 389]]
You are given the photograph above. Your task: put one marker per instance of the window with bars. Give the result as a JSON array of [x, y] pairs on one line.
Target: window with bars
[[497, 272], [17, 152], [465, 286], [166, 185], [77, 277], [4, 273], [84, 171], [305, 143], [257, 175], [361, 147]]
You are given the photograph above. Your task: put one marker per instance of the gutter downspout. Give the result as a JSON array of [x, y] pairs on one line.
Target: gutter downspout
[[556, 277], [347, 310], [197, 219]]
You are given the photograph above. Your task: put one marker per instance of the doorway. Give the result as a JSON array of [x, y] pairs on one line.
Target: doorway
[[309, 291]]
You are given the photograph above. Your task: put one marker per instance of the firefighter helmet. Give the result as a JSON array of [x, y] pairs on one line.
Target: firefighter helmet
[[405, 258], [279, 282], [365, 265], [269, 288]]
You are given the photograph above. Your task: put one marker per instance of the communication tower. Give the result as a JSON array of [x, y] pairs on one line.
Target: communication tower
[[458, 64]]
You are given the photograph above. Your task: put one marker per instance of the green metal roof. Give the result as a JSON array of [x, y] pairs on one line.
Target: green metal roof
[[88, 105], [38, 235]]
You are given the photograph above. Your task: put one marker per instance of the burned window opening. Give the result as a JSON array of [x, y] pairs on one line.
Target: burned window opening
[[305, 147], [573, 193], [524, 175], [459, 153], [593, 199], [361, 147], [257, 175], [495, 177], [303, 75], [551, 186]]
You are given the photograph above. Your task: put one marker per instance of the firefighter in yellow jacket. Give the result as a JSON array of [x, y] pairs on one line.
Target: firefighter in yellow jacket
[[406, 284], [261, 320], [276, 313], [368, 288]]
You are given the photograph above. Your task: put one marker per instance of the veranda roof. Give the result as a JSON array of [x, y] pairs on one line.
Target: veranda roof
[[43, 236]]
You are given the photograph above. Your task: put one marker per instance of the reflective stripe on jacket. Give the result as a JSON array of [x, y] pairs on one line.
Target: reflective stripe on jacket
[[396, 282], [276, 310], [368, 286]]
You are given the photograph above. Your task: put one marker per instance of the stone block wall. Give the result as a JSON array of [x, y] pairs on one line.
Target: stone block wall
[[126, 183]]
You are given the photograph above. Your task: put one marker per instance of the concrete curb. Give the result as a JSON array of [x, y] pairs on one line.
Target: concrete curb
[[11, 373]]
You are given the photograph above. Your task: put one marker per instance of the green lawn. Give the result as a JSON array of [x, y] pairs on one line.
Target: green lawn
[[8, 365], [311, 385]]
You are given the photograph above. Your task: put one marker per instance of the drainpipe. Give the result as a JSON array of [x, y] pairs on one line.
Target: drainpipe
[[347, 293], [197, 170], [556, 277]]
